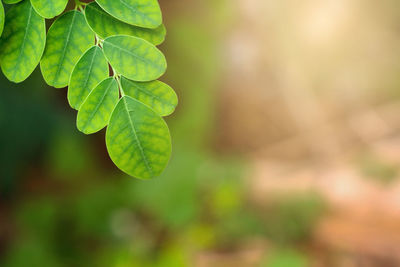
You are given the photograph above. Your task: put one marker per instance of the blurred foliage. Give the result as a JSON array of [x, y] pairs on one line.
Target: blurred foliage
[[198, 204], [26, 121], [291, 219], [286, 258], [69, 154], [120, 219], [374, 168]]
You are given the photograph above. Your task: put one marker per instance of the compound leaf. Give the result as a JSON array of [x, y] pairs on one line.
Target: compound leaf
[[91, 69], [98, 106], [67, 39], [157, 95], [142, 13], [138, 139], [105, 26], [22, 43], [134, 58], [1, 18], [49, 8]]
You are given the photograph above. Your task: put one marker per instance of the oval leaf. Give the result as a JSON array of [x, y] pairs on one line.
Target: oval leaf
[[67, 39], [91, 69], [1, 18], [138, 139], [134, 58], [142, 13], [49, 8], [22, 42], [157, 95], [105, 26], [98, 106]]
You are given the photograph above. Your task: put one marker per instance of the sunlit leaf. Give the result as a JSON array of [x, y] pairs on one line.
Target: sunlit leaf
[[157, 95], [98, 106], [138, 139], [22, 42], [134, 58], [90, 70], [49, 8], [142, 13], [67, 39], [105, 25], [1, 18], [11, 1]]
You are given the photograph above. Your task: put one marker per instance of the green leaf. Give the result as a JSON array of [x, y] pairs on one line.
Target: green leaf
[[105, 26], [67, 39], [49, 8], [142, 13], [98, 106], [157, 95], [1, 18], [91, 69], [22, 42], [138, 139], [134, 58], [11, 1]]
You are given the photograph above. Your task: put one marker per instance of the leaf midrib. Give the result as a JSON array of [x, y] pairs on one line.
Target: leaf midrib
[[144, 158], [134, 55], [88, 75], [150, 94], [139, 13], [64, 48], [98, 104], [23, 41]]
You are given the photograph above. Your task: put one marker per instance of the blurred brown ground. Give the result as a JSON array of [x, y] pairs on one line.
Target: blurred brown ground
[[311, 95]]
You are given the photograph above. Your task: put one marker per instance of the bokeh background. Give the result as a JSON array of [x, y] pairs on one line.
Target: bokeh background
[[286, 149]]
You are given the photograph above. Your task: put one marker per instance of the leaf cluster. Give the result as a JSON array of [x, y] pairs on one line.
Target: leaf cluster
[[105, 52]]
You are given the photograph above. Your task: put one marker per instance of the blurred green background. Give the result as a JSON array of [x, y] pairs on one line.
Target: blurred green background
[[285, 145]]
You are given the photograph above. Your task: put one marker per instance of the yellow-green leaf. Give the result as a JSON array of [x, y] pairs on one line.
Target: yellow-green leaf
[[142, 13], [134, 58], [1, 18], [22, 42], [157, 95], [68, 38], [91, 69], [98, 106], [49, 8], [11, 1], [104, 25], [138, 139]]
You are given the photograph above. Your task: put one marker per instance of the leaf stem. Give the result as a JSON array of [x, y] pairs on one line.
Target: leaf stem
[[117, 77], [99, 41], [120, 87], [79, 5]]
